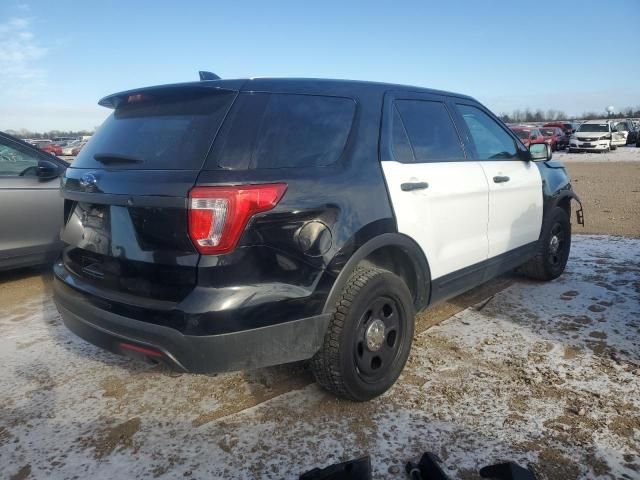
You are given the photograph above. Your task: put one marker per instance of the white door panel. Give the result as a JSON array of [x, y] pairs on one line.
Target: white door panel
[[449, 218], [515, 205]]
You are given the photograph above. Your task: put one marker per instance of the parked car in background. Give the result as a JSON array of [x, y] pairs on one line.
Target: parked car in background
[[40, 142], [619, 134], [63, 141], [632, 137], [567, 127], [229, 224], [31, 212], [68, 149], [529, 135], [592, 136], [52, 148], [556, 137], [78, 148], [620, 129]]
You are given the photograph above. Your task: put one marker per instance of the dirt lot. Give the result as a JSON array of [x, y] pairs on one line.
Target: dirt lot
[[610, 194], [542, 374]]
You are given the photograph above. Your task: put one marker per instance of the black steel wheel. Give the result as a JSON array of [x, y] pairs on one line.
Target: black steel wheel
[[369, 336], [557, 249], [554, 247], [378, 338]]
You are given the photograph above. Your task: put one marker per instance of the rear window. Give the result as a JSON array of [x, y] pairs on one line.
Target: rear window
[[430, 131], [273, 130], [165, 133]]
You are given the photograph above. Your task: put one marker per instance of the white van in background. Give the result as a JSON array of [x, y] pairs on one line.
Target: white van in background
[[621, 132]]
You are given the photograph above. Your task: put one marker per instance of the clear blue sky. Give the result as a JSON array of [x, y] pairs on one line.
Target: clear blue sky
[[57, 58]]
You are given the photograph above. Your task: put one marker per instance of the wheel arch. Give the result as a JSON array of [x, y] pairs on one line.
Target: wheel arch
[[395, 252], [562, 199]]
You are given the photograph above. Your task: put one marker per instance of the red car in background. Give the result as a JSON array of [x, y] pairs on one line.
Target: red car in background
[[529, 135], [555, 137], [567, 127], [76, 150], [52, 148]]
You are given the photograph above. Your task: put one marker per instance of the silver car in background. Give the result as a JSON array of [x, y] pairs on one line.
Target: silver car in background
[[31, 208]]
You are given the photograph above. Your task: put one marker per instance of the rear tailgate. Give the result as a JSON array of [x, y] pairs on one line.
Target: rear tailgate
[[126, 219]]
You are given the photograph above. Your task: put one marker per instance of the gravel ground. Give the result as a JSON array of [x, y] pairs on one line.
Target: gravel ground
[[546, 374]]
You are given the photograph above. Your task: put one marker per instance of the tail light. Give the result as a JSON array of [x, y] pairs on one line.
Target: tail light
[[219, 215]]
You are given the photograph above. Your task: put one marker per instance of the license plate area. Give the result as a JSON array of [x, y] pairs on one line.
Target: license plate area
[[92, 265], [89, 228]]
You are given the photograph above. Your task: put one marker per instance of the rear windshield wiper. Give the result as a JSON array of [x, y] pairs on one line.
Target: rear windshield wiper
[[116, 158]]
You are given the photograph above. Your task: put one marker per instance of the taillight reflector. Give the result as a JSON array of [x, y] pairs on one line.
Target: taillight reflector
[[219, 215], [150, 352]]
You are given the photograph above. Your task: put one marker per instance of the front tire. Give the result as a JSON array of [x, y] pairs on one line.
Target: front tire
[[554, 247], [369, 336]]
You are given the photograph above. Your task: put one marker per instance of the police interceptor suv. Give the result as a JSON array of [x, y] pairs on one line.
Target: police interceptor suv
[[233, 224]]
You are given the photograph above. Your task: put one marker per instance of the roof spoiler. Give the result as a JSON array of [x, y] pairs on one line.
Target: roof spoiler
[[164, 91], [207, 76]]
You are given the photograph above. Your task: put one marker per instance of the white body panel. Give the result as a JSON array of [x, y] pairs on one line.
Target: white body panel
[[515, 206], [449, 218], [619, 139]]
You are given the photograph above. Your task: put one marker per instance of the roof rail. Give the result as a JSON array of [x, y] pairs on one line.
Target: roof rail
[[207, 76]]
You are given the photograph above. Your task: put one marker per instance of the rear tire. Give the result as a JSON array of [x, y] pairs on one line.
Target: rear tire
[[554, 247], [369, 336]]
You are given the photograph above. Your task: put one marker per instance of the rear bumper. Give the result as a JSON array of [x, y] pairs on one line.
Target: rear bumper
[[245, 349]]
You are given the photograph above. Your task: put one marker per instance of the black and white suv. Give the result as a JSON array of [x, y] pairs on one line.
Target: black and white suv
[[232, 224]]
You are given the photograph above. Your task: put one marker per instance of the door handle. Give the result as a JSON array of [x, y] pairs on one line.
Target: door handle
[[407, 187], [500, 179]]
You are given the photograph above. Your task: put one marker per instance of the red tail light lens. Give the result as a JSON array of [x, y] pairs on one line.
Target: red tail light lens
[[219, 215], [150, 352]]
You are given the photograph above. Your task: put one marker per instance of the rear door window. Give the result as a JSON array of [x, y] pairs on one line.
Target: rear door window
[[274, 130], [172, 133], [429, 129]]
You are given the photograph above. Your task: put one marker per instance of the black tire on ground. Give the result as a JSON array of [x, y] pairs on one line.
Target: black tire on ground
[[613, 147], [359, 360], [553, 248], [571, 150]]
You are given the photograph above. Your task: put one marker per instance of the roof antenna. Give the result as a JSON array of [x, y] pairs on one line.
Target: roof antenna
[[208, 76]]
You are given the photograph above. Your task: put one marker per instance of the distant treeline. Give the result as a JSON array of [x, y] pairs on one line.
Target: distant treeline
[[528, 115], [24, 133]]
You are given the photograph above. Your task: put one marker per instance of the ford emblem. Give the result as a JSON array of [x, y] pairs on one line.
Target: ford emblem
[[88, 181]]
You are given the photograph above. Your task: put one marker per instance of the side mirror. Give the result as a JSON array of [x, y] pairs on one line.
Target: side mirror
[[540, 152], [48, 169]]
